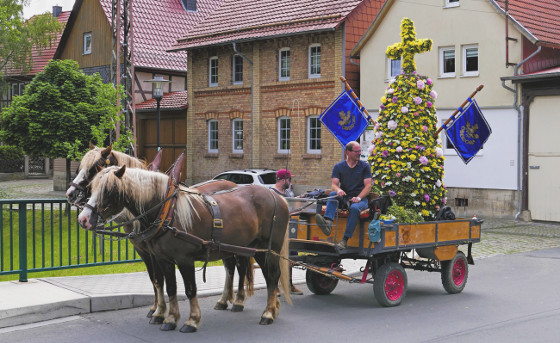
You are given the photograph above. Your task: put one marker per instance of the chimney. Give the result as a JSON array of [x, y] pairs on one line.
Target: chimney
[[56, 10]]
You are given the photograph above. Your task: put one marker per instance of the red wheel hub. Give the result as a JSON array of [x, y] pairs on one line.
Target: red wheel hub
[[459, 272], [394, 285]]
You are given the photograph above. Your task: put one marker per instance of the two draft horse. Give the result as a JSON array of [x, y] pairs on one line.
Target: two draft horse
[[80, 190], [252, 216]]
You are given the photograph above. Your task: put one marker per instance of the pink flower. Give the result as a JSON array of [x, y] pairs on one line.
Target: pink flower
[[390, 91], [420, 84], [405, 125], [385, 153], [398, 175], [433, 94], [428, 104], [417, 100], [382, 107], [370, 149], [423, 160], [404, 109], [392, 193], [429, 81], [439, 152], [424, 128], [416, 114], [426, 197], [378, 134], [392, 125], [394, 100], [399, 149], [444, 200]]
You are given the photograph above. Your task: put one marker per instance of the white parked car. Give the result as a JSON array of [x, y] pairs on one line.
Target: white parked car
[[261, 177]]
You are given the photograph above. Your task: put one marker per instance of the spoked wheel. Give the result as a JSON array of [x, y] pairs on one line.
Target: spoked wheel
[[320, 284], [454, 273], [390, 284]]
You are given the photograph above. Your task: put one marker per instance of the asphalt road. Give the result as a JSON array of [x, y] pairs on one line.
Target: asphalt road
[[508, 298]]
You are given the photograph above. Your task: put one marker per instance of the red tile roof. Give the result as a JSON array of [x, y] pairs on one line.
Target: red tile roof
[[41, 57], [157, 24], [238, 20], [170, 101], [539, 19]]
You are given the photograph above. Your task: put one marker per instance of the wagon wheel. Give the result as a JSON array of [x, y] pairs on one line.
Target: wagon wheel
[[320, 284], [390, 284], [454, 273]]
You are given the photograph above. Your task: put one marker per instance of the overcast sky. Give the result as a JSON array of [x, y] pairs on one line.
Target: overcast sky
[[42, 6]]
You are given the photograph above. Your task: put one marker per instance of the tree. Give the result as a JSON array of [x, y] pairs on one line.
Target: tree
[[17, 36], [407, 160], [61, 111]]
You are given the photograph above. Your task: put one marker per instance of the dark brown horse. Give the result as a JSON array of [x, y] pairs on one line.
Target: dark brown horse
[[99, 158], [253, 216]]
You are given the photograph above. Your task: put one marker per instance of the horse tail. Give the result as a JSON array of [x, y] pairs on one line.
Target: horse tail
[[285, 267], [249, 277]]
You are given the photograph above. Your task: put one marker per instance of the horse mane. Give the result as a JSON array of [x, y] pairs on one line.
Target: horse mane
[[94, 155], [143, 187]]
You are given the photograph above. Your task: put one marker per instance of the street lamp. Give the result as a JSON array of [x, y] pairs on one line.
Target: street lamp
[[157, 93]]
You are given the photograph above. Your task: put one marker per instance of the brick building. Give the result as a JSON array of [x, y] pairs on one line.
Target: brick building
[[259, 75]]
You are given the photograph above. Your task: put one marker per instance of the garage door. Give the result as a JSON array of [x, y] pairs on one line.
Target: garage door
[[544, 159]]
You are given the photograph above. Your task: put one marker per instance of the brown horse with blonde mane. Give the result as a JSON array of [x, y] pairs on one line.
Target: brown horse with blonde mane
[[253, 217], [99, 158]]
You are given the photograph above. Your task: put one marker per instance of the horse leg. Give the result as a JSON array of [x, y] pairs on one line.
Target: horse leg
[[227, 294], [159, 314], [195, 316], [170, 322], [271, 273], [245, 271], [145, 256]]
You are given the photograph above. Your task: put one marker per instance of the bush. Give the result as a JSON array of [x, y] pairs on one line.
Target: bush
[[11, 158]]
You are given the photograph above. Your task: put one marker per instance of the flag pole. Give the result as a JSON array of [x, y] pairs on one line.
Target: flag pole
[[355, 97], [478, 89]]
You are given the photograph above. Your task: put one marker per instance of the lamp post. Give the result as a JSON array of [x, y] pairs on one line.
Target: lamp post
[[157, 93]]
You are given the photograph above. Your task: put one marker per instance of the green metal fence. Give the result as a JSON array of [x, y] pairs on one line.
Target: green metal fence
[[42, 235]]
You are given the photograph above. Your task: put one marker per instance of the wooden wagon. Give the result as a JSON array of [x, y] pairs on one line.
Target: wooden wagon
[[429, 246]]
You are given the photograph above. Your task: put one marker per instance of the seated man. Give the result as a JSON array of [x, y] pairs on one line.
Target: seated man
[[351, 181]]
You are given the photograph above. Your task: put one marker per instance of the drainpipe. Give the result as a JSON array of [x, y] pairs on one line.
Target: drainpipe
[[520, 118], [252, 94]]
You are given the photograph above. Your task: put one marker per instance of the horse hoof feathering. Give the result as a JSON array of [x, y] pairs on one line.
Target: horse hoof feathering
[[168, 327], [188, 329]]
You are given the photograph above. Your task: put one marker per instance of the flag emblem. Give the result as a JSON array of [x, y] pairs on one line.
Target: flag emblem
[[344, 119]]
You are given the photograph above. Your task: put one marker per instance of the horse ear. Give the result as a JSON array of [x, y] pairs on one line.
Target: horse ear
[[119, 173], [91, 146], [105, 152]]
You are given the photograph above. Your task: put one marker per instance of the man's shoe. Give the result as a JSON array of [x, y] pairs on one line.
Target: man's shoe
[[295, 291], [342, 244], [325, 224]]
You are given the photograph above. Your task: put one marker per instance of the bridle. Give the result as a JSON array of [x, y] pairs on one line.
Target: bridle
[[82, 187]]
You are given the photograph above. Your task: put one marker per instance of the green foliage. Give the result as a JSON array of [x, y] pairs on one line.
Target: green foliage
[[18, 36], [61, 111], [407, 161], [403, 215], [9, 152]]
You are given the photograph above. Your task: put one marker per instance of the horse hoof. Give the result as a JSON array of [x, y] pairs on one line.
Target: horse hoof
[[188, 329], [237, 308], [266, 321], [156, 320], [220, 306], [149, 315], [167, 327]]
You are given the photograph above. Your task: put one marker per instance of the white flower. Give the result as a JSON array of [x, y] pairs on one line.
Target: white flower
[[390, 91], [399, 149], [438, 141], [370, 149], [439, 152], [433, 94], [438, 183], [392, 124], [416, 203], [379, 134], [413, 194], [392, 81], [404, 109]]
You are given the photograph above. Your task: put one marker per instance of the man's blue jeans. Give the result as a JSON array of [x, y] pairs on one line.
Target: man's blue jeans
[[353, 215]]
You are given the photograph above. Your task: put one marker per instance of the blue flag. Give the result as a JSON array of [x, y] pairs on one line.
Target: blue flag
[[469, 132], [344, 119]]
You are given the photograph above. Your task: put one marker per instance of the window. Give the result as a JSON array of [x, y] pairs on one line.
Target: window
[[237, 126], [213, 71], [447, 62], [470, 60], [213, 136], [313, 135], [237, 69], [189, 5], [451, 3], [284, 64], [17, 89], [87, 43], [393, 68], [315, 61], [283, 135]]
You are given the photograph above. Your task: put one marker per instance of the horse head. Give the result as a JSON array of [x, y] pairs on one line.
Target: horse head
[[105, 201]]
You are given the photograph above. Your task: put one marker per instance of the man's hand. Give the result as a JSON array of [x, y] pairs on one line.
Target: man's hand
[[355, 199], [340, 193]]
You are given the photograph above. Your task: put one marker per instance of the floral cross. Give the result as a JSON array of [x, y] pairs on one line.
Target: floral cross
[[408, 47]]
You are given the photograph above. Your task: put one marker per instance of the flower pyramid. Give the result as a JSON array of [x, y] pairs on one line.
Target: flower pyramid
[[407, 161]]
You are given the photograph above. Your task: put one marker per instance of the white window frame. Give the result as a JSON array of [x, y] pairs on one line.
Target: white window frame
[[88, 47], [236, 58], [280, 131], [310, 137], [390, 68], [280, 68], [314, 64], [464, 55], [211, 139], [442, 62], [235, 131], [452, 3], [211, 70]]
